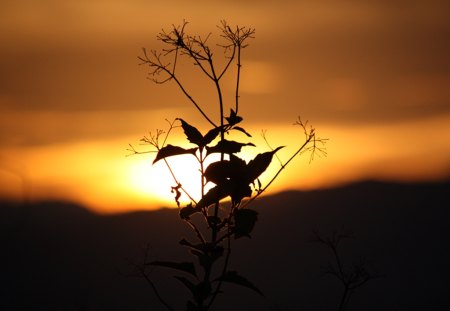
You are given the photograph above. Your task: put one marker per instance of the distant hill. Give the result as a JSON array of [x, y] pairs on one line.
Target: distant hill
[[59, 256]]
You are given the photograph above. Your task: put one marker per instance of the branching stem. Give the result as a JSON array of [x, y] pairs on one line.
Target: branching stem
[[232, 177]]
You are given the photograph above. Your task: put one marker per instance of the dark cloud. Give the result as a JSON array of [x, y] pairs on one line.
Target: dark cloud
[[372, 61]]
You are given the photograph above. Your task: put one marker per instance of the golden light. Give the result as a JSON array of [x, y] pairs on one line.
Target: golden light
[[100, 175], [156, 180]]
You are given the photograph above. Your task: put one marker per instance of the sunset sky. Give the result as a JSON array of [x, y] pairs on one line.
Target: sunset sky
[[372, 76]]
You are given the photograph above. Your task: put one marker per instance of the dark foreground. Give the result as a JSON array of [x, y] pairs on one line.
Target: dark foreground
[[57, 256]]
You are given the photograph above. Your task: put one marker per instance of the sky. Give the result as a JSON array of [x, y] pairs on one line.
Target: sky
[[371, 76]]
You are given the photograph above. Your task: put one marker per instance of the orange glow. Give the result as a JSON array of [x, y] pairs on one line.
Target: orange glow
[[372, 77], [100, 175]]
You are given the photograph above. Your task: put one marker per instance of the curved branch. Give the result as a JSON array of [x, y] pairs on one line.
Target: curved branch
[[155, 290], [180, 85], [228, 64], [299, 150]]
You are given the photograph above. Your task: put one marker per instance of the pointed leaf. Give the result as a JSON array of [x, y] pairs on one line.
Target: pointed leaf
[[235, 278], [244, 221], [211, 135], [170, 150], [214, 195], [192, 134], [240, 129], [228, 146], [187, 211], [187, 267], [259, 164], [233, 118], [185, 242], [207, 256]]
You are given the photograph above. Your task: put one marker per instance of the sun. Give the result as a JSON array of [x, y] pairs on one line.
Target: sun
[[156, 180], [154, 183]]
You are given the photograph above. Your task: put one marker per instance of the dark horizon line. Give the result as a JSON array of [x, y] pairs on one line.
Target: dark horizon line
[[368, 182]]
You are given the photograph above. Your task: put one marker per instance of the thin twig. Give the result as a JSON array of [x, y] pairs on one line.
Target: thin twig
[[141, 269], [299, 150], [224, 269], [197, 231]]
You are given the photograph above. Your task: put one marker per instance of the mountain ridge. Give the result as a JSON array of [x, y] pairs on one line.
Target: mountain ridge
[[63, 257]]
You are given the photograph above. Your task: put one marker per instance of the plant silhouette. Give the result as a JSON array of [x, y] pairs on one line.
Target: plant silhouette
[[229, 184], [350, 277]]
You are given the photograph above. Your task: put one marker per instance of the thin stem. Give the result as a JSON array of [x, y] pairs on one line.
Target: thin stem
[[202, 171], [155, 290], [224, 270], [180, 85], [349, 295], [280, 170], [178, 183], [197, 60], [340, 266], [214, 227], [343, 299], [222, 136], [229, 62], [141, 270], [158, 67], [238, 78], [197, 231]]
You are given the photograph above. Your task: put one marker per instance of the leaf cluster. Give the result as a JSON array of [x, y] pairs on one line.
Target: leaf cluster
[[231, 177]]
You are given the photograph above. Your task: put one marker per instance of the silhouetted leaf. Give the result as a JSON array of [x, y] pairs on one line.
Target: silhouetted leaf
[[214, 195], [221, 171], [259, 164], [240, 129], [211, 135], [244, 221], [203, 259], [186, 283], [228, 147], [218, 172], [192, 134], [237, 165], [187, 267], [239, 190], [187, 211], [170, 150], [233, 118], [235, 278], [208, 254], [185, 242]]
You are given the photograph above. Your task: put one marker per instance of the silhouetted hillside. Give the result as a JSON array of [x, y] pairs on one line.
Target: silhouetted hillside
[[58, 256]]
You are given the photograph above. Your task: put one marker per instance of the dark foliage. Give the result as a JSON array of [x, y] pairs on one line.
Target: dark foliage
[[223, 211]]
